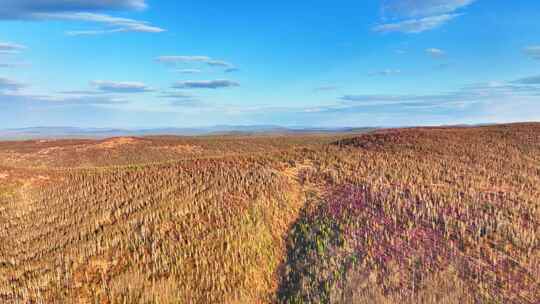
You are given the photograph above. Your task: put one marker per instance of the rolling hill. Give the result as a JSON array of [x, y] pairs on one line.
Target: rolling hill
[[417, 215]]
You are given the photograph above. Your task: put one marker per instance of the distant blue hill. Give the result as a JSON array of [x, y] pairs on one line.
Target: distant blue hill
[[73, 132]]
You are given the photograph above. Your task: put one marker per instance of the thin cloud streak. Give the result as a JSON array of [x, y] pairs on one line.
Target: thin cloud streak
[[79, 11], [205, 84], [326, 88], [119, 25], [14, 65], [21, 9], [533, 52], [175, 60], [47, 101], [471, 94], [387, 72], [7, 84], [422, 8], [177, 96], [529, 80], [189, 71], [415, 26], [436, 53], [121, 87], [413, 17], [11, 47]]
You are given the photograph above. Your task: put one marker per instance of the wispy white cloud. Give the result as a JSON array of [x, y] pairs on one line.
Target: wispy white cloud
[[121, 87], [114, 24], [387, 72], [188, 103], [82, 92], [94, 100], [533, 52], [484, 92], [205, 84], [179, 99], [7, 84], [13, 65], [414, 26], [17, 93], [139, 29], [219, 63], [37, 100], [79, 11], [11, 47], [175, 60], [20, 9], [435, 53], [325, 88], [534, 80], [182, 59], [189, 71], [177, 95], [381, 99], [8, 52], [418, 16], [421, 8]]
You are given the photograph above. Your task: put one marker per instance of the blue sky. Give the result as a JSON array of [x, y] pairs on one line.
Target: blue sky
[[147, 64]]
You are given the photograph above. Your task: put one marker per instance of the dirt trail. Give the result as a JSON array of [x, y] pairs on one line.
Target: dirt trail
[[294, 174]]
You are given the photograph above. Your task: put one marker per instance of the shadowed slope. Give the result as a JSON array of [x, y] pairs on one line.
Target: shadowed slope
[[417, 215]]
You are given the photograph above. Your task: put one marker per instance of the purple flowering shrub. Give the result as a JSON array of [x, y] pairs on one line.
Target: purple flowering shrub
[[358, 239]]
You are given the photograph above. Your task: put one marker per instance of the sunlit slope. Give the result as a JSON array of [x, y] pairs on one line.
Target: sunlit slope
[[202, 231], [123, 151]]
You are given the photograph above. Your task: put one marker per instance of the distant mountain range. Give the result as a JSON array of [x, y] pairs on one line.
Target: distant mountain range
[[73, 132]]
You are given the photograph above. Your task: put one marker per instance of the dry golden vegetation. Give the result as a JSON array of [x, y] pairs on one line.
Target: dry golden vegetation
[[200, 231], [427, 215], [122, 151]]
